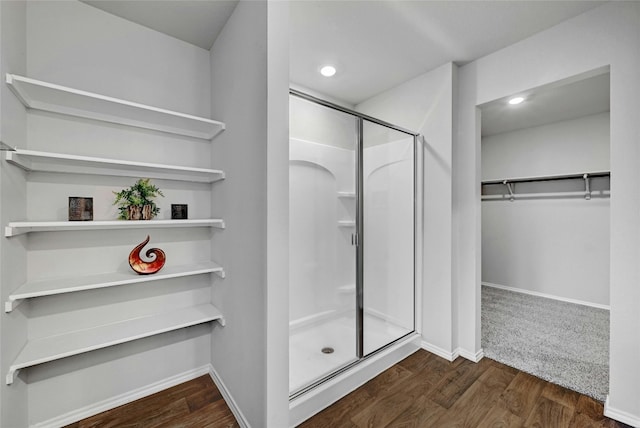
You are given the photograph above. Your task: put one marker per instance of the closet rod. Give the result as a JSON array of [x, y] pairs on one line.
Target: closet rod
[[549, 178]]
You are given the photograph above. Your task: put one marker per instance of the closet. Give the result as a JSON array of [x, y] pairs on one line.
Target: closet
[[545, 230]]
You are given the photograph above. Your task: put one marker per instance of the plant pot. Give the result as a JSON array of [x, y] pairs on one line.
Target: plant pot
[[140, 212]]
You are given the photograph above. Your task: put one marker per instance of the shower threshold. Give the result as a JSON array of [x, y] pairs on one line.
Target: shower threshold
[[308, 361]]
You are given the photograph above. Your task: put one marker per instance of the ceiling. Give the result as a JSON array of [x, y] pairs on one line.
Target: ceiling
[[550, 104], [375, 45]]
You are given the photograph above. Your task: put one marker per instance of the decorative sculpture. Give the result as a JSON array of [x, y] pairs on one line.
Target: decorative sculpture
[[143, 267]]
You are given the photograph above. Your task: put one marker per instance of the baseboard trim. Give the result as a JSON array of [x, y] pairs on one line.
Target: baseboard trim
[[228, 398], [620, 415], [471, 356], [449, 356], [548, 296], [119, 400]]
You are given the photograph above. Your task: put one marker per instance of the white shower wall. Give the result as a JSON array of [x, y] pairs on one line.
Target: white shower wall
[[322, 259], [389, 232], [322, 268]]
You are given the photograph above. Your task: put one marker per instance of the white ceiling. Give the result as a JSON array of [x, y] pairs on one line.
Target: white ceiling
[[375, 45], [555, 103]]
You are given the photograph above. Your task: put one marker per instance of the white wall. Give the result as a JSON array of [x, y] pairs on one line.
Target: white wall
[[251, 353], [313, 122], [13, 327], [73, 44], [424, 105], [607, 35], [558, 247], [567, 147]]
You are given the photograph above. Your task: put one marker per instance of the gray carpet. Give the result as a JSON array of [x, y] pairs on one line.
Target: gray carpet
[[561, 342]]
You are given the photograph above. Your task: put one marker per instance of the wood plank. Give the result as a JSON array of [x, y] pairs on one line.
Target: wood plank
[[456, 382], [498, 417], [561, 395], [548, 413], [521, 395], [476, 402], [338, 414], [180, 405], [590, 413], [391, 403], [213, 415], [421, 413], [388, 379]]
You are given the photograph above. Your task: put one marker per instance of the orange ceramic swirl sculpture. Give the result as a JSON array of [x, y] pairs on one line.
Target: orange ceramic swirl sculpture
[[143, 267]]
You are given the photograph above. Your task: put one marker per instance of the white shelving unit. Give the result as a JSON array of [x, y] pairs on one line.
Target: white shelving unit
[[31, 160], [49, 287], [39, 95], [19, 227], [346, 223], [47, 96], [53, 348]]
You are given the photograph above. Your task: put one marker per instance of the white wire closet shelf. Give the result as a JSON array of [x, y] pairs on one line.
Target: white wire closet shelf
[[46, 96]]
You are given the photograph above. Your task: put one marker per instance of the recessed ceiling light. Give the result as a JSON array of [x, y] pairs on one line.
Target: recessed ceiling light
[[516, 100], [328, 70]]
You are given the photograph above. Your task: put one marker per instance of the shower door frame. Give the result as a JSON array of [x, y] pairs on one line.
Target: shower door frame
[[359, 235]]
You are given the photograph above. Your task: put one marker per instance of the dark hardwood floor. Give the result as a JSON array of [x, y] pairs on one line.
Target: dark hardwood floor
[[421, 391], [194, 404], [427, 391]]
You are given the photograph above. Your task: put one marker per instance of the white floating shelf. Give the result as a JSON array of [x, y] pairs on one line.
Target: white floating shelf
[[51, 287], [46, 96], [4, 147], [347, 289], [56, 347], [19, 227], [31, 160], [346, 223], [347, 195]]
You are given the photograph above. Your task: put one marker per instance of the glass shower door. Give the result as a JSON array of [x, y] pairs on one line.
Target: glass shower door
[[387, 235], [322, 273]]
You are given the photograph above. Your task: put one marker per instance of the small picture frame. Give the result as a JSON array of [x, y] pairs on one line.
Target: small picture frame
[[80, 208], [179, 211]]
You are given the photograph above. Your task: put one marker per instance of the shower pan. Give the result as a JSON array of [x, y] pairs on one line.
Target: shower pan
[[352, 222]]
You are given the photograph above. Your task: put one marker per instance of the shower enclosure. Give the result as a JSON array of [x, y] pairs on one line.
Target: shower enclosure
[[351, 210]]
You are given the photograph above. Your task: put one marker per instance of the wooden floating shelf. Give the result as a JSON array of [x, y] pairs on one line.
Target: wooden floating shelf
[[55, 286], [31, 160], [60, 346], [346, 223], [46, 96], [19, 227]]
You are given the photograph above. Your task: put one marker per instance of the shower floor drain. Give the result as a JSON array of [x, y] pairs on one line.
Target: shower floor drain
[[327, 350]]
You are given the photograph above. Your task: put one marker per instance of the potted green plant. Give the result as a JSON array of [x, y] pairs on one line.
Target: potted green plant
[[136, 202]]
